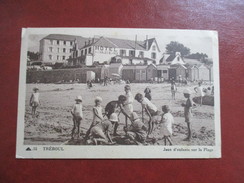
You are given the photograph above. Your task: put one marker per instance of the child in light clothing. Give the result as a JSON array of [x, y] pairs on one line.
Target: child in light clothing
[[188, 112], [167, 121], [128, 104], [34, 101], [97, 115], [101, 133], [137, 131], [77, 114], [150, 109]]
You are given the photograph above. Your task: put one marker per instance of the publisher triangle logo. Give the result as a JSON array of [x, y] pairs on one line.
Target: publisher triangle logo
[[28, 149]]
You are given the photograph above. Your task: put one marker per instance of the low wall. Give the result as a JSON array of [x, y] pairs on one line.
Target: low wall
[[59, 75]]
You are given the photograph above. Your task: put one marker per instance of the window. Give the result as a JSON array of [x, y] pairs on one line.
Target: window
[[165, 71], [57, 42], [50, 57], [70, 50], [141, 54], [132, 53], [122, 52], [58, 50], [76, 53], [64, 50], [71, 43], [82, 52], [89, 51], [52, 42], [57, 57], [50, 49], [143, 71], [63, 57], [85, 51], [154, 48], [64, 42], [153, 55]]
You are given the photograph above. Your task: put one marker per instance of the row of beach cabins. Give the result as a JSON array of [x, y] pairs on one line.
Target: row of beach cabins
[[131, 73]]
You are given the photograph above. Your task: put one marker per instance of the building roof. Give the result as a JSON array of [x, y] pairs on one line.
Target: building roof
[[191, 61], [176, 66], [81, 41], [162, 67], [131, 57], [61, 37], [121, 43]]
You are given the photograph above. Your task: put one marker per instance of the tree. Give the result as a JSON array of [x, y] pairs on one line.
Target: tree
[[202, 57], [33, 56], [174, 47]]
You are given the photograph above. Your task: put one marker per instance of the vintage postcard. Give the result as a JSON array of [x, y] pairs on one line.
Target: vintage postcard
[[118, 93]]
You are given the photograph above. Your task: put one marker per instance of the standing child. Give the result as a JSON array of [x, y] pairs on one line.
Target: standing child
[[173, 89], [128, 104], [147, 92], [34, 101], [167, 121], [150, 109], [137, 131], [97, 115], [188, 112], [77, 114]]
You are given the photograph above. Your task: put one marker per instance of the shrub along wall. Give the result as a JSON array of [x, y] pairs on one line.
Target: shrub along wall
[[59, 75]]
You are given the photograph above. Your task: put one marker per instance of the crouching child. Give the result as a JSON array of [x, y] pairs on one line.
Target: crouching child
[[101, 132], [137, 131]]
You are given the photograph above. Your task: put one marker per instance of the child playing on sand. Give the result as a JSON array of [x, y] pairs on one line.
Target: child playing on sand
[[97, 115], [167, 121], [34, 101], [101, 132], [137, 131], [147, 92], [116, 106], [150, 109], [199, 91], [173, 89], [77, 116], [188, 112]]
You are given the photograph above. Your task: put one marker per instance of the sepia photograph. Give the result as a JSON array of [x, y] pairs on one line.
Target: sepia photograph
[[118, 93]]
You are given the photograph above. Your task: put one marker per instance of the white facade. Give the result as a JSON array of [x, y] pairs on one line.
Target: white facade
[[104, 49], [55, 50]]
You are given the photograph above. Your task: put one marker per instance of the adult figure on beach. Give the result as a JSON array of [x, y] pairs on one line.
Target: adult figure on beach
[[148, 94]]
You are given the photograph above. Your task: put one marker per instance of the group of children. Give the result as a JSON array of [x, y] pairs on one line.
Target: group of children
[[104, 125]]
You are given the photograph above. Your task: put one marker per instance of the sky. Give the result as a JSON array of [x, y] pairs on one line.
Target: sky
[[196, 41]]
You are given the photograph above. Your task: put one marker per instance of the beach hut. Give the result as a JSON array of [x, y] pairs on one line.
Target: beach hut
[[204, 73], [141, 73], [128, 73], [192, 73], [151, 72], [114, 68], [177, 70], [163, 72]]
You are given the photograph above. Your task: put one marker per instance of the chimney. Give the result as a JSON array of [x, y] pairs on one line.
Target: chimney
[[146, 42]]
